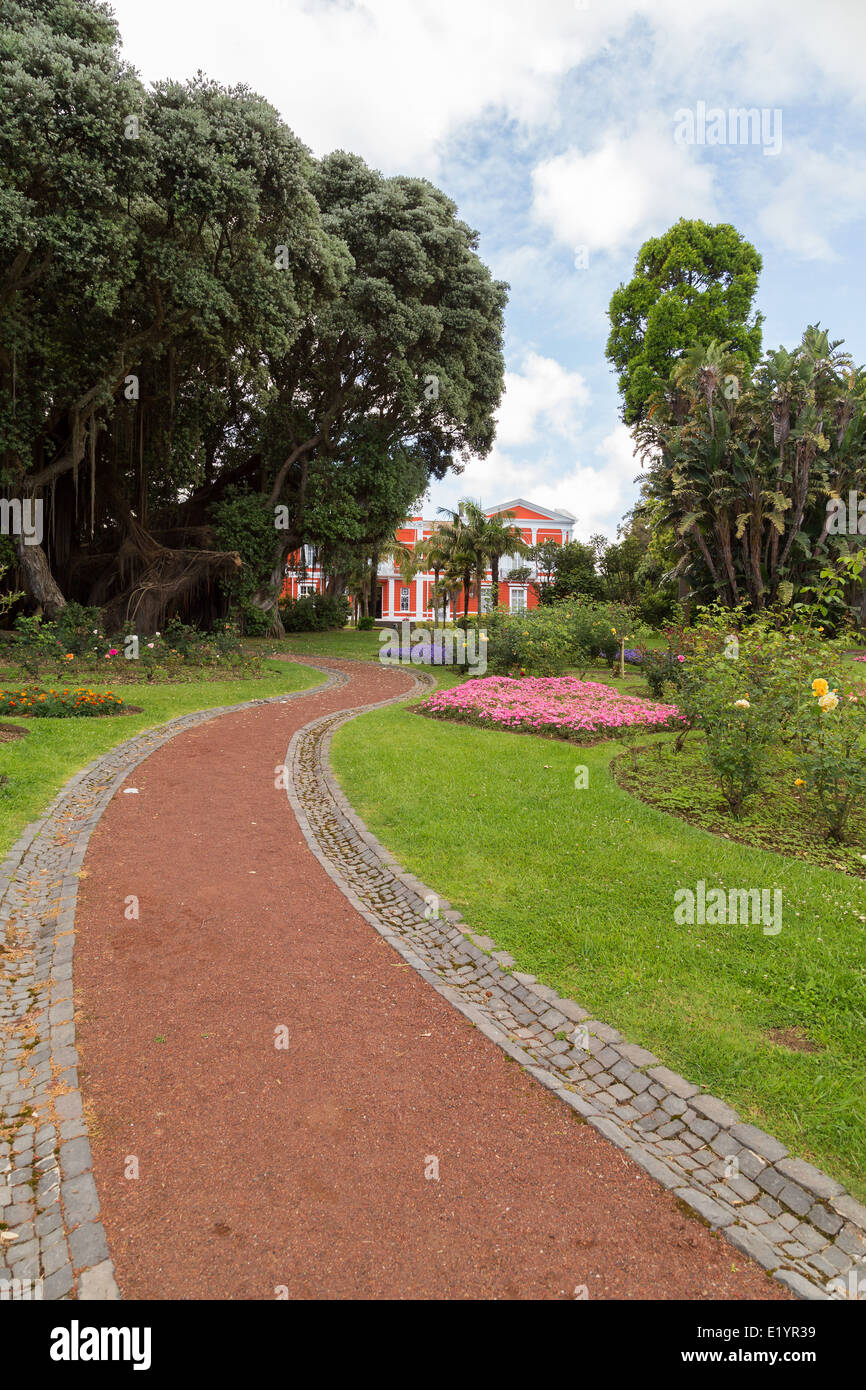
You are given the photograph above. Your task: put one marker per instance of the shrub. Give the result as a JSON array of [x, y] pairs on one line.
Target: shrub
[[77, 640], [547, 640], [740, 725], [656, 606], [661, 669], [366, 623], [315, 613], [833, 757]]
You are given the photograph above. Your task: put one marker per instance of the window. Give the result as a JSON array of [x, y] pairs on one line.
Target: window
[[486, 598], [305, 588], [518, 600], [405, 594]]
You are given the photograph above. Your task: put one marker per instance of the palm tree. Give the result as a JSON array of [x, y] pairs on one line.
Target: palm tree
[[502, 539], [459, 540], [435, 553], [479, 538], [408, 560]]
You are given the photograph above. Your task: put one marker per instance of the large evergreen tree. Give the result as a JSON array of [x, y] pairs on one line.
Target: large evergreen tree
[[693, 284], [193, 309]]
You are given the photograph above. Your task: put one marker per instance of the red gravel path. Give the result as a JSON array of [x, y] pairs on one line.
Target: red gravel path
[[305, 1168]]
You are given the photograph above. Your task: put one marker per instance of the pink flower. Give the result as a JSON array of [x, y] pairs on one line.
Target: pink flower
[[562, 705]]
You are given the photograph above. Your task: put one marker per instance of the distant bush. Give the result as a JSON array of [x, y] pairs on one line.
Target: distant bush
[[550, 639], [366, 624], [315, 613]]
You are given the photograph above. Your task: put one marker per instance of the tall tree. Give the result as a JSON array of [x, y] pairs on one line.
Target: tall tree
[[747, 478], [411, 348], [693, 284]]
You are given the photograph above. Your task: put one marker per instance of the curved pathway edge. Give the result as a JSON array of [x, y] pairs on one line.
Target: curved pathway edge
[[797, 1222], [52, 1242]]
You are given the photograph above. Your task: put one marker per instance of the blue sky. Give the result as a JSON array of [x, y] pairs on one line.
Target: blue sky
[[554, 127]]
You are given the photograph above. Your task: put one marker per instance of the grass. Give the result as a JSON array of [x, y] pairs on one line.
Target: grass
[[361, 646], [579, 886], [781, 816], [36, 767]]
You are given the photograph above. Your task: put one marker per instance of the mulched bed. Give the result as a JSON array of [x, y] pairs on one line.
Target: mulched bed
[[103, 714], [777, 819], [10, 732]]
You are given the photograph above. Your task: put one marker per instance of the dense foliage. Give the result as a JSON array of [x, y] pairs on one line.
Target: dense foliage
[[552, 638], [763, 693], [749, 468], [693, 284], [193, 309]]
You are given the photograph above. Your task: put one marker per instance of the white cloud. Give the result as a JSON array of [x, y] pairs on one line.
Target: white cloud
[[543, 394], [633, 184], [596, 492], [393, 79], [387, 78], [820, 194]]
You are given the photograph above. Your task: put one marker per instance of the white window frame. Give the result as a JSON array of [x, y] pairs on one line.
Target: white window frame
[[405, 598], [517, 592], [306, 588]]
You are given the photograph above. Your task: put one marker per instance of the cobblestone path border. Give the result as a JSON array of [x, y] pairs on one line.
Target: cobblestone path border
[[791, 1218], [52, 1243], [795, 1221]]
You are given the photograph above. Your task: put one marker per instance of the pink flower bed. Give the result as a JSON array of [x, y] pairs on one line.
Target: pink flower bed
[[561, 705]]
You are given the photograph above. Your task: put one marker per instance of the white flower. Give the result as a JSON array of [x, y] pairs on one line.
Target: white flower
[[742, 704], [829, 701]]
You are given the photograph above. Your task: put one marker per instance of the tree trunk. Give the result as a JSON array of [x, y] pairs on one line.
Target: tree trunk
[[467, 580], [374, 583], [38, 580], [266, 598]]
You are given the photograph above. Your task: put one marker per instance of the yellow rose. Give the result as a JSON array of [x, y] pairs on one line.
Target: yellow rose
[[829, 701], [820, 687], [798, 782]]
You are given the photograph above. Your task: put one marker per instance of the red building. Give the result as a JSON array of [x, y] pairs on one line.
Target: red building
[[398, 600]]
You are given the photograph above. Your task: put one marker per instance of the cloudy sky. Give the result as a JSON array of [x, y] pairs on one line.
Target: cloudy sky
[[554, 125]]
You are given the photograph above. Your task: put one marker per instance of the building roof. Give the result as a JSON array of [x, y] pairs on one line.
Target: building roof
[[559, 515]]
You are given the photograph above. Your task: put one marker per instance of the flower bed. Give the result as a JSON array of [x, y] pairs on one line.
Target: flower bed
[[560, 705], [60, 704]]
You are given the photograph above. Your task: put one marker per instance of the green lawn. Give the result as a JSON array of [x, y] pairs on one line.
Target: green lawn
[[579, 886], [37, 766], [362, 646]]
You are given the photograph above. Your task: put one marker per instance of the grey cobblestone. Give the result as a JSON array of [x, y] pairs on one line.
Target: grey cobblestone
[[38, 893], [644, 1101], [645, 1098]]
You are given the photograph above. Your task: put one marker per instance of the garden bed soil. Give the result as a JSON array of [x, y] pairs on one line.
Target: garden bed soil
[[778, 818], [103, 714], [10, 732]]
